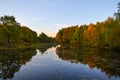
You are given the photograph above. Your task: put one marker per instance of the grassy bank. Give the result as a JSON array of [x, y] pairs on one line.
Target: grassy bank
[[23, 46], [20, 46]]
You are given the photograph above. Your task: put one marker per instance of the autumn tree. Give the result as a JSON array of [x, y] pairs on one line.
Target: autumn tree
[[59, 36], [101, 34]]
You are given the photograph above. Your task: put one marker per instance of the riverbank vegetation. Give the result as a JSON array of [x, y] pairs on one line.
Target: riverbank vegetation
[[15, 36], [105, 34]]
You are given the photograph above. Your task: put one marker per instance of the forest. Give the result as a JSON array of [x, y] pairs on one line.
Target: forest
[[105, 34], [12, 34]]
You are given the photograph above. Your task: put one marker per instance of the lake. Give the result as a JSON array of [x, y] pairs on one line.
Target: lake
[[59, 63]]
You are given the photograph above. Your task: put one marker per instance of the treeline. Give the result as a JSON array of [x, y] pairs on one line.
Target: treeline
[[12, 33], [101, 34]]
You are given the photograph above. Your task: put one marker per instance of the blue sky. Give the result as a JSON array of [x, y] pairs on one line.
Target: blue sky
[[51, 15]]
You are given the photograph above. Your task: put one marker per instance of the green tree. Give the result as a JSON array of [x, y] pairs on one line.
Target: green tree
[[34, 36], [26, 34], [10, 28], [117, 14], [44, 38]]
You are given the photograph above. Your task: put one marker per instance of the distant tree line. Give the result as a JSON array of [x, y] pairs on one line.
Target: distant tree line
[[101, 34], [45, 39], [11, 32]]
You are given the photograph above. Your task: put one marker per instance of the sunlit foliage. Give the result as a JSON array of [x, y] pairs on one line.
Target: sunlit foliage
[[101, 34]]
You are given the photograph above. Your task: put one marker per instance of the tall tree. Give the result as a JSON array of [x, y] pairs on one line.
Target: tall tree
[[10, 27], [117, 14]]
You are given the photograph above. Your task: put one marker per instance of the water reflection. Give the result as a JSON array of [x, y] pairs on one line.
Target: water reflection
[[11, 61], [59, 63], [105, 60], [44, 48]]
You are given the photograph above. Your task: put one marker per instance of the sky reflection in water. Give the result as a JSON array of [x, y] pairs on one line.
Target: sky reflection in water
[[55, 64]]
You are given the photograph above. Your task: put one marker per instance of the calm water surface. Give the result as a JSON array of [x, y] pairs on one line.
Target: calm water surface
[[58, 63]]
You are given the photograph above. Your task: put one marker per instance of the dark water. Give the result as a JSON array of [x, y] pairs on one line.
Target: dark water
[[57, 63]]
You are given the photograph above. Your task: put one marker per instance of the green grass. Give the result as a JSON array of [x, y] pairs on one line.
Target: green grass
[[24, 46], [19, 46]]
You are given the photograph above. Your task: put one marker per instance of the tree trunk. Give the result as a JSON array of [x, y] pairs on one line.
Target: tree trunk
[[8, 39]]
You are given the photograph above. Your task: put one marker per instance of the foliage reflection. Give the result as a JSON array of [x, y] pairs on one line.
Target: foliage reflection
[[11, 61], [44, 48], [105, 60]]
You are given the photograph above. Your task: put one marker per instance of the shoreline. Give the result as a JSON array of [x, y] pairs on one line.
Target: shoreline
[[22, 46]]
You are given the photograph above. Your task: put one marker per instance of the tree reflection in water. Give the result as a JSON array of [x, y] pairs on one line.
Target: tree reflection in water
[[44, 48], [105, 60], [11, 61]]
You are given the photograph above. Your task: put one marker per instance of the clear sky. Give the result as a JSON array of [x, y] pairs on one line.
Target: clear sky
[[51, 15]]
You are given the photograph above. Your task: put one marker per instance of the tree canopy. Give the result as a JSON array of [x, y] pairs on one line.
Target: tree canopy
[[101, 34], [9, 28], [11, 32]]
